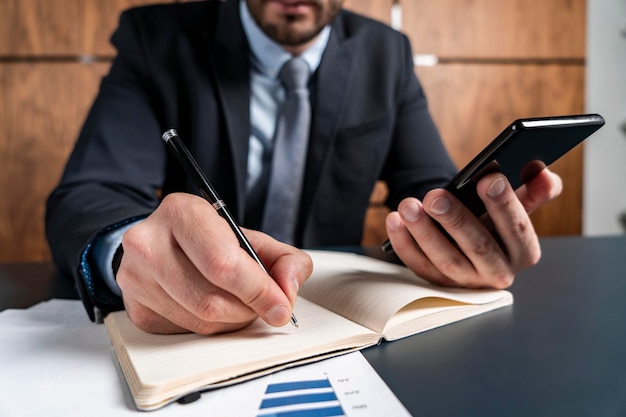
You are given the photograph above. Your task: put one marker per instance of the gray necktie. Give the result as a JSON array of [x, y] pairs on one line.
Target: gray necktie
[[289, 155]]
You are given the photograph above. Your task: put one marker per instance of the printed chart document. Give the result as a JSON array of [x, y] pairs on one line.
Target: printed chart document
[[350, 302], [345, 385]]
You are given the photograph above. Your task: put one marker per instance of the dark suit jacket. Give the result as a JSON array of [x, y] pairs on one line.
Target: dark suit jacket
[[186, 66]]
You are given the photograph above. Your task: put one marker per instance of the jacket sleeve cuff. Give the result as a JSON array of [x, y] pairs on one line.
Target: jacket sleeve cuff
[[102, 251], [96, 283]]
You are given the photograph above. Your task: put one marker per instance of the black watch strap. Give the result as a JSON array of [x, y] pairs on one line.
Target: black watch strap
[[117, 259]]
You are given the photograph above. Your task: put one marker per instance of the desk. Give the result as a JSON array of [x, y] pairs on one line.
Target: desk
[[560, 350]]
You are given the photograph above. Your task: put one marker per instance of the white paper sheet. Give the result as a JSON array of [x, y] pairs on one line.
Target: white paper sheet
[[54, 361]]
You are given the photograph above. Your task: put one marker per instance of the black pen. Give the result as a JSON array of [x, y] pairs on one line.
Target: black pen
[[208, 192]]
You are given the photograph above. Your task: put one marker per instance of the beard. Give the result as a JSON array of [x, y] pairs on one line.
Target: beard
[[294, 29]]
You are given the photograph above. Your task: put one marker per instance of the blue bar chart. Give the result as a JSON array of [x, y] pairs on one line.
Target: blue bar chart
[[304, 398]]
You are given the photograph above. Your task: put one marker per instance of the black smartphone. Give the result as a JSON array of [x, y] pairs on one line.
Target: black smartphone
[[520, 152]]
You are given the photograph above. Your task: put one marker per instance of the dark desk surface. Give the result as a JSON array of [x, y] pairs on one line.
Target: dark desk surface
[[560, 350]]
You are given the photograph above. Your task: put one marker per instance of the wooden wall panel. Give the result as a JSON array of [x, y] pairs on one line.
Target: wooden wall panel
[[60, 27], [496, 28], [376, 9], [41, 110], [471, 104], [374, 231]]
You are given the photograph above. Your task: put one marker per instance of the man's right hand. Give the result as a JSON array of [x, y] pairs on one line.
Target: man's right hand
[[183, 270]]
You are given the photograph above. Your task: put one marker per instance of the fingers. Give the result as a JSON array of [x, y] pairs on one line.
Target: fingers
[[183, 268], [289, 270], [508, 212], [478, 257], [229, 267], [511, 222], [421, 245], [164, 293], [169, 286]]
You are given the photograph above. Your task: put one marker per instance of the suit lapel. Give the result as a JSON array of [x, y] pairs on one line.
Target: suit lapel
[[228, 54], [330, 95], [332, 82]]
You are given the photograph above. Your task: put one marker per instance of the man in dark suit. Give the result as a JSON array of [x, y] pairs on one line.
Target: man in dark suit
[[209, 69]]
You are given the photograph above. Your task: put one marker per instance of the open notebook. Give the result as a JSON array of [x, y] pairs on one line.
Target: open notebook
[[350, 302]]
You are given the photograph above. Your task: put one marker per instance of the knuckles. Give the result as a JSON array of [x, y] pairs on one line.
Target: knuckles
[[176, 204]]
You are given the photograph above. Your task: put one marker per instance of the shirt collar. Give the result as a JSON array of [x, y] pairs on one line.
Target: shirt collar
[[268, 55]]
